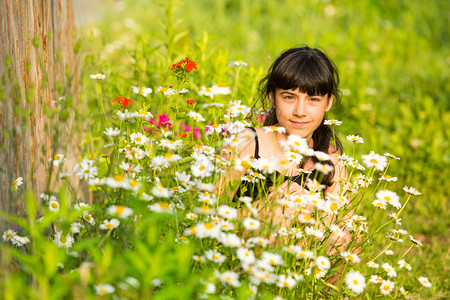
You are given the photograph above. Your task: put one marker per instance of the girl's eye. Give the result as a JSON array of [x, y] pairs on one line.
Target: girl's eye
[[288, 97], [315, 99]]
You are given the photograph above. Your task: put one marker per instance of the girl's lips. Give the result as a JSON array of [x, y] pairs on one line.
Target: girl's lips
[[299, 123]]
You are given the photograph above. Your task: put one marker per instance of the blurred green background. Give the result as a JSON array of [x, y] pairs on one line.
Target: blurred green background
[[393, 58]]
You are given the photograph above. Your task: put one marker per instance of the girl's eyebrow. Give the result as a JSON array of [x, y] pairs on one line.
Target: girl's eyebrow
[[287, 92]]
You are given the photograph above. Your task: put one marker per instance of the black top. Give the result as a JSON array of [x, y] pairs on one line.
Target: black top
[[252, 190]]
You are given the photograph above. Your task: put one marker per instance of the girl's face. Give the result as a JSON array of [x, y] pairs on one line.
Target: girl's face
[[300, 113]]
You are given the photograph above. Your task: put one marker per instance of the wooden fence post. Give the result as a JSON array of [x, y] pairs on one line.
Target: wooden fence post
[[38, 65]]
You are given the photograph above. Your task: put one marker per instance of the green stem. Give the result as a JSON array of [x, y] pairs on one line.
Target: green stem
[[409, 197]]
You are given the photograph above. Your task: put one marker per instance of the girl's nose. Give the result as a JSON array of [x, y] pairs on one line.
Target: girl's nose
[[300, 108]]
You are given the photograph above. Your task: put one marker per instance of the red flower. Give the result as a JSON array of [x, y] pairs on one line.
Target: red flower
[[184, 65], [191, 101], [125, 102]]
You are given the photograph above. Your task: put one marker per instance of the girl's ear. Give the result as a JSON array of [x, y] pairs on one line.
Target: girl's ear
[[330, 103], [272, 99]]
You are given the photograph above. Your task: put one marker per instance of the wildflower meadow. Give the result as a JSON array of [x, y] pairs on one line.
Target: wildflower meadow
[[139, 208]]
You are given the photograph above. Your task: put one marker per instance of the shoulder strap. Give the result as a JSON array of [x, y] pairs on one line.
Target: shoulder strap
[[256, 155]]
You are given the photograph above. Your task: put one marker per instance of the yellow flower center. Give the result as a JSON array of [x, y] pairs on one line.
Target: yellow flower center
[[118, 178], [349, 257], [386, 287], [138, 139], [272, 261], [164, 205], [202, 168], [333, 206], [387, 198], [208, 90], [119, 209], [63, 239], [134, 182], [215, 257], [56, 157], [163, 89], [355, 282], [209, 226], [54, 205], [373, 160], [109, 225], [307, 217], [285, 283], [9, 235], [221, 85]]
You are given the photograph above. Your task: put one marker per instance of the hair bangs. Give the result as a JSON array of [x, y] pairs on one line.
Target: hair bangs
[[308, 75]]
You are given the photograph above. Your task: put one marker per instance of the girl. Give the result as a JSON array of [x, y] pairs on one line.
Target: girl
[[295, 147]]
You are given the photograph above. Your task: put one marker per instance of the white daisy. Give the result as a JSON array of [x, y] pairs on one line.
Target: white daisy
[[103, 289], [8, 234], [237, 63], [119, 211], [220, 89], [215, 256], [63, 241], [141, 90], [230, 278], [251, 224], [204, 91], [245, 255], [138, 138], [111, 224], [196, 116], [286, 281], [272, 258], [355, 281], [18, 182], [411, 191], [227, 212], [386, 287], [355, 139], [166, 91], [348, 256], [374, 160], [389, 197], [323, 263], [389, 270], [332, 122], [53, 205], [403, 264], [424, 281], [278, 129], [56, 160], [97, 76]]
